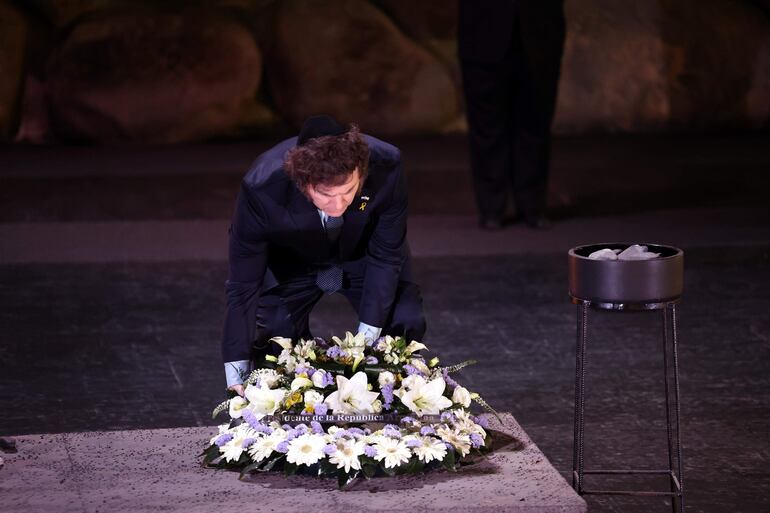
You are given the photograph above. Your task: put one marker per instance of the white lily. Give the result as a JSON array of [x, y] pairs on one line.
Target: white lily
[[264, 401], [352, 396], [414, 346], [237, 404], [300, 382], [425, 398], [284, 342]]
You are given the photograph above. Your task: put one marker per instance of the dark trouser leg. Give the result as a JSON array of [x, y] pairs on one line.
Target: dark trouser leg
[[538, 46], [406, 316], [284, 311], [489, 94]]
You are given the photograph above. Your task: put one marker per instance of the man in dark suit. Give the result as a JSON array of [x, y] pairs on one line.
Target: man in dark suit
[[510, 53], [323, 212]]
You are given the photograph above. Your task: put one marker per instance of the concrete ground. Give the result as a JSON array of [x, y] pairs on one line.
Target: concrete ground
[[111, 295]]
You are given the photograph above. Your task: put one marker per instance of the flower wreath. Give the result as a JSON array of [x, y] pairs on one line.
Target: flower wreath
[[388, 412]]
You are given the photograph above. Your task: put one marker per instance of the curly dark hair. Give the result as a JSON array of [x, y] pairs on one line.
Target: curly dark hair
[[328, 160]]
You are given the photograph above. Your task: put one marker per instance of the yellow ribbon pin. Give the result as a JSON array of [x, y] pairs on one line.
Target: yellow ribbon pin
[[363, 206]]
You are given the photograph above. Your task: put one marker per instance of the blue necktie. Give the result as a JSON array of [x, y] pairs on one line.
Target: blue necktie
[[329, 279]]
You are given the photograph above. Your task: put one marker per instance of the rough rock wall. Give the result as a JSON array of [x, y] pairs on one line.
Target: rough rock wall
[[188, 70]]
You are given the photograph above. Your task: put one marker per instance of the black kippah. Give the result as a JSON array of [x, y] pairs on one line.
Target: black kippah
[[318, 126]]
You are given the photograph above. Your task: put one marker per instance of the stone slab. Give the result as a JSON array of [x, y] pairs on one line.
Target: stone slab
[[159, 470]]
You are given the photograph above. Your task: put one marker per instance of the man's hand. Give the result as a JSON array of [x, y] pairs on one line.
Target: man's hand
[[238, 389]]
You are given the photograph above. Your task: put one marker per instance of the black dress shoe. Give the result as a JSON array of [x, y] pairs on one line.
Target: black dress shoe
[[538, 223], [491, 224]]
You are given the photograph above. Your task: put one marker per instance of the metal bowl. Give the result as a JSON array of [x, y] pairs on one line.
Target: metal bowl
[[626, 282]]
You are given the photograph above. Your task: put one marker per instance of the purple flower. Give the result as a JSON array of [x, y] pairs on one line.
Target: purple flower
[[328, 379], [320, 408], [427, 430], [263, 428], [449, 447], [371, 360], [407, 420], [317, 428], [448, 416], [370, 451], [414, 442], [250, 419], [304, 369], [223, 439], [449, 381], [411, 369], [387, 394], [301, 429], [481, 421], [330, 449], [356, 431], [340, 433], [283, 447], [287, 427], [391, 431], [335, 352], [248, 442], [291, 435], [476, 440]]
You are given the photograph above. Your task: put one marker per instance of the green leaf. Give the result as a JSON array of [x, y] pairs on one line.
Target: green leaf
[[249, 468], [273, 462], [344, 479], [449, 460], [370, 470], [290, 468], [211, 454]]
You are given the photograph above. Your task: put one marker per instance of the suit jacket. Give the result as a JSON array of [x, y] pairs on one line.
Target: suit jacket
[[277, 234]]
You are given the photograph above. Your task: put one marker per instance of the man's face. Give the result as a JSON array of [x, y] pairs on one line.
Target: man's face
[[334, 199]]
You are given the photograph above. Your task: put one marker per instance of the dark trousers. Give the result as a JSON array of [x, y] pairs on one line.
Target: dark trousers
[[284, 311], [510, 103]]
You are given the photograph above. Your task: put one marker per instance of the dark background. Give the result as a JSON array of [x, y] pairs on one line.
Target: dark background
[[127, 128]]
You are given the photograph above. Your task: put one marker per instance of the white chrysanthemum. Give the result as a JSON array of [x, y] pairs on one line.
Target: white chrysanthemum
[[459, 440], [264, 401], [386, 378], [306, 449], [393, 451], [237, 404], [348, 452], [352, 395], [223, 428], [263, 447], [425, 397], [464, 423], [233, 449], [430, 449]]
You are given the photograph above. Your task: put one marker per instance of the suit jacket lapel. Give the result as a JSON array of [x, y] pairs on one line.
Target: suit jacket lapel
[[307, 222], [355, 217]]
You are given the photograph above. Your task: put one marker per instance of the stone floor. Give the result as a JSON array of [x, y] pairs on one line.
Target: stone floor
[[104, 333]]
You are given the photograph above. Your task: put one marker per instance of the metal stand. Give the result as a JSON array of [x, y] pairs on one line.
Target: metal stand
[[674, 472]]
